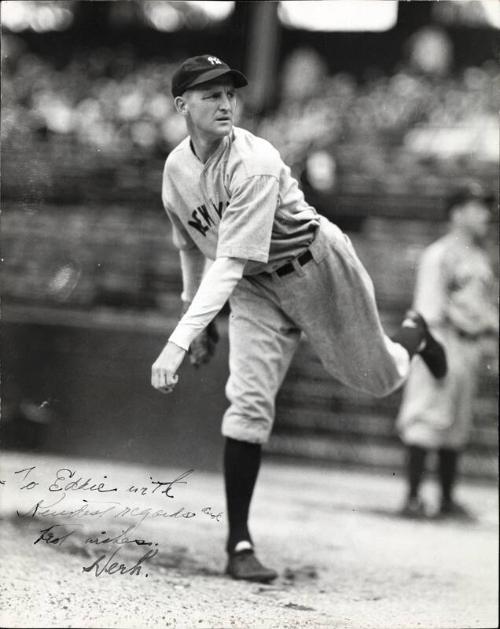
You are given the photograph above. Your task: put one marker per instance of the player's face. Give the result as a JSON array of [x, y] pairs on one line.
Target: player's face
[[474, 217], [210, 108]]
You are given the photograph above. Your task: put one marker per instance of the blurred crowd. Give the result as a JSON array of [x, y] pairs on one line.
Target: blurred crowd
[[386, 109], [103, 100], [110, 101]]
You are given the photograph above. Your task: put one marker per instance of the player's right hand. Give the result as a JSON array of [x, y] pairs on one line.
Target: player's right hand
[[164, 370]]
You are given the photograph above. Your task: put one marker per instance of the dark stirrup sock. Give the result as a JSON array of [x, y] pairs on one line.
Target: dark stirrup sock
[[241, 467], [416, 457], [447, 469]]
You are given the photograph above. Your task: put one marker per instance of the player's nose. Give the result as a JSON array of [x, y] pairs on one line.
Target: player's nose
[[224, 103]]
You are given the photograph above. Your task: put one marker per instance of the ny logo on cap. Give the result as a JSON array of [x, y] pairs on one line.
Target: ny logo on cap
[[214, 60]]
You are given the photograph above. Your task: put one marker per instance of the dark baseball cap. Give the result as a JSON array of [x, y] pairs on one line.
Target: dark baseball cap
[[470, 191], [203, 69]]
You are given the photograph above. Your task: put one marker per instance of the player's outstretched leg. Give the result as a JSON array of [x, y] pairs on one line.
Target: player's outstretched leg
[[414, 335], [241, 467]]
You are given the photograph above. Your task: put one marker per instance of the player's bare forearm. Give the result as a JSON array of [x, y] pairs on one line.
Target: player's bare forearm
[[164, 370]]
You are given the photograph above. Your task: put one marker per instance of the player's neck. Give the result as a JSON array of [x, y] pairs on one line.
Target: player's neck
[[203, 147]]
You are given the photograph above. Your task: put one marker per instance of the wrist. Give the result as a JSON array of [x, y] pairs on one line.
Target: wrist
[[181, 338], [177, 347]]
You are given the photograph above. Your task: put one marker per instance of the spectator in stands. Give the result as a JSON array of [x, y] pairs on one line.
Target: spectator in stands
[[431, 51], [455, 292]]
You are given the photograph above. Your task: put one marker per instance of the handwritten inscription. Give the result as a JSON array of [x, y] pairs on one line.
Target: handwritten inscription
[[66, 511], [42, 509], [119, 539], [57, 534], [66, 480], [51, 536], [61, 483], [166, 486]]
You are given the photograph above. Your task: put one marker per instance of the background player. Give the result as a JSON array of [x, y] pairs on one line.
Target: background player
[[455, 290], [285, 269]]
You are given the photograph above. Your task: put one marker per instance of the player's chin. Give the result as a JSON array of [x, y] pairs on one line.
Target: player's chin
[[223, 127]]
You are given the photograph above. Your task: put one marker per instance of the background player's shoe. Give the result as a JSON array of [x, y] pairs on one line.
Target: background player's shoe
[[414, 509], [431, 351], [454, 510], [244, 565]]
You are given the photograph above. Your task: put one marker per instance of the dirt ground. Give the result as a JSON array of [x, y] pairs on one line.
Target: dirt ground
[[134, 555]]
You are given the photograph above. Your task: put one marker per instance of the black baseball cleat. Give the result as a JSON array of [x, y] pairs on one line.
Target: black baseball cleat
[[244, 565], [432, 352]]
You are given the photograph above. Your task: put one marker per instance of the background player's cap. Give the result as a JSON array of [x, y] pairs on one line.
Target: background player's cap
[[201, 69], [470, 191]]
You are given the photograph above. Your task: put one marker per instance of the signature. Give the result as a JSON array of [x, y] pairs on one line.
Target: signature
[[106, 565]]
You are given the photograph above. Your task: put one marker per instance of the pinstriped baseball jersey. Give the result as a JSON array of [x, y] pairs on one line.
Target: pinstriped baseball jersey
[[243, 203]]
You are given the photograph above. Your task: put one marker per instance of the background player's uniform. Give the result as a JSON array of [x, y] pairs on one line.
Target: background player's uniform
[[455, 292], [302, 274]]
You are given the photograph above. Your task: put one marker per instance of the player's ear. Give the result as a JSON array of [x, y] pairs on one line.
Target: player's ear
[[180, 104]]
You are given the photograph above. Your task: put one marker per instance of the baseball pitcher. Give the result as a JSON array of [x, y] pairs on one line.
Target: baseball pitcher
[[285, 269]]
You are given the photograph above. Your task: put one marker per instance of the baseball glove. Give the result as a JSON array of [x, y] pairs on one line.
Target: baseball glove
[[202, 349]]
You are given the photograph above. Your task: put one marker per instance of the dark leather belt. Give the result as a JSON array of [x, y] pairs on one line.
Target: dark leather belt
[[289, 268]]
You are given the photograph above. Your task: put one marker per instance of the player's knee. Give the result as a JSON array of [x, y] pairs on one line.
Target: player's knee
[[253, 430], [248, 418]]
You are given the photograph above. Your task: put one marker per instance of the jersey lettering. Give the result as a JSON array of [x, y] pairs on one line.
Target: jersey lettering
[[219, 207], [202, 209], [201, 219], [197, 224]]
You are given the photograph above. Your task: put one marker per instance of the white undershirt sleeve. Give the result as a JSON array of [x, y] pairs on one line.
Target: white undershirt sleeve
[[193, 267], [215, 289]]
